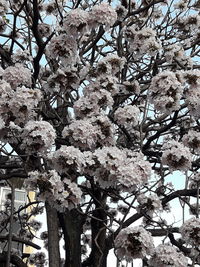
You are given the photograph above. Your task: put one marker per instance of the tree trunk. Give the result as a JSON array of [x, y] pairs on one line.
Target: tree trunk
[[53, 237], [71, 223], [99, 251]]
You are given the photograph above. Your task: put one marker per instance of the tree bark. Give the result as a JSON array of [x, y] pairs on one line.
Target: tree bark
[[53, 237], [99, 249], [72, 223]]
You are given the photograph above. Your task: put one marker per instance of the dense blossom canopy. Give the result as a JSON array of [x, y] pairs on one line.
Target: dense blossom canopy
[[99, 116]]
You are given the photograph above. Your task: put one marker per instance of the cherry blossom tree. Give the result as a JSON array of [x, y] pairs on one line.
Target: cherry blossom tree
[[99, 116]]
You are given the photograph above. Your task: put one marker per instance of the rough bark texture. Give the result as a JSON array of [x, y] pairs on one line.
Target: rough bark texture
[[98, 255], [53, 237], [71, 223]]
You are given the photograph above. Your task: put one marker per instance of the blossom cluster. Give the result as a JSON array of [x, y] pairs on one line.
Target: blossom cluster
[[17, 75], [38, 136], [67, 159], [177, 53], [63, 79], [38, 259], [149, 203], [176, 156], [78, 20], [90, 133], [166, 255], [142, 41], [190, 231], [60, 193], [65, 46], [192, 140], [115, 166], [195, 180], [133, 242], [165, 92], [127, 115]]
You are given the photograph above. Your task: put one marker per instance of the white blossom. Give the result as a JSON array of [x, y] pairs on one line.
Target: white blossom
[[131, 87], [165, 92], [193, 101], [44, 29], [176, 156], [102, 14], [93, 102], [67, 158], [195, 180], [22, 103], [149, 203], [60, 193], [142, 41], [176, 52], [3, 7], [38, 136], [89, 133], [166, 255], [115, 166], [190, 231], [76, 20], [192, 140], [127, 115], [111, 64], [63, 47], [133, 242], [17, 75]]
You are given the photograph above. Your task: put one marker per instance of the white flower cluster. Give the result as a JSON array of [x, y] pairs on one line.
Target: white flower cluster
[[3, 7], [127, 115], [111, 65], [60, 193], [90, 133], [44, 29], [52, 7], [17, 105], [195, 180], [38, 259], [21, 56], [176, 156], [75, 20], [38, 137], [109, 83], [165, 92], [133, 242], [64, 78], [114, 166], [191, 81], [190, 77], [189, 23], [5, 91], [64, 48], [102, 14], [165, 256], [22, 103], [67, 159], [142, 41], [3, 25], [17, 75], [190, 231], [150, 203], [193, 101], [192, 140], [177, 52], [131, 87], [94, 101], [182, 5], [78, 20]]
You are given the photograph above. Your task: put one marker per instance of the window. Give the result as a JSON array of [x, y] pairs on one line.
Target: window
[[20, 197]]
